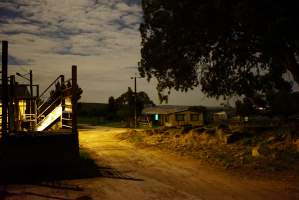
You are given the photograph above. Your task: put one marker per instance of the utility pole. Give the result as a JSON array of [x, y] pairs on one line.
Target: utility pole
[[135, 100]]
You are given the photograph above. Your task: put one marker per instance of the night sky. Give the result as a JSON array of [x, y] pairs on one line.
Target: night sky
[[101, 37]]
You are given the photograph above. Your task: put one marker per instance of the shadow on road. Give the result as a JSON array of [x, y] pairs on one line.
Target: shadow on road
[[55, 175], [84, 168]]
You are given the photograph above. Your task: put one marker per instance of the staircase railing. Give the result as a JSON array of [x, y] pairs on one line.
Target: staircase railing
[[46, 98], [47, 109], [53, 99], [67, 117]]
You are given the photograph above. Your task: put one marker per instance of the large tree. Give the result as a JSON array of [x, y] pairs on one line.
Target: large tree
[[230, 47]]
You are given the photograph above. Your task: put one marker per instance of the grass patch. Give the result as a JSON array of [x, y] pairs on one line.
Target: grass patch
[[90, 120], [224, 158], [136, 139], [276, 153]]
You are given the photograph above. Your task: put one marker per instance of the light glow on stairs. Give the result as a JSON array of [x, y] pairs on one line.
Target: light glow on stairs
[[49, 119]]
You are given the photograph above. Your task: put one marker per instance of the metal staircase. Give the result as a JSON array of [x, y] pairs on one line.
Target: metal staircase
[[49, 119], [54, 106]]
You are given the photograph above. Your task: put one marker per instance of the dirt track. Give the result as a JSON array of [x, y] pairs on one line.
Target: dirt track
[[133, 173]]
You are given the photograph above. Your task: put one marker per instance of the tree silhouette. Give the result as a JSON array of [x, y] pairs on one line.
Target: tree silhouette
[[230, 47], [123, 107]]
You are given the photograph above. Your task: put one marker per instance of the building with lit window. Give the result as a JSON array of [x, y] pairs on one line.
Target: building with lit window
[[175, 116], [20, 105]]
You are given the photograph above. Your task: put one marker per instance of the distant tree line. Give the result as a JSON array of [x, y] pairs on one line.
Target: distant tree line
[[92, 109], [123, 107]]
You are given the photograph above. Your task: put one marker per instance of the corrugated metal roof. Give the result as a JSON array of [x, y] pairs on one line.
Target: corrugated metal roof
[[20, 91], [168, 109]]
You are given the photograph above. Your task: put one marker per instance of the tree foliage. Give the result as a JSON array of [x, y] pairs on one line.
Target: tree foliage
[[230, 47]]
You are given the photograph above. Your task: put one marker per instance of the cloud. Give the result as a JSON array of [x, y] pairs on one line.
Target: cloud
[[82, 27], [100, 36], [17, 61]]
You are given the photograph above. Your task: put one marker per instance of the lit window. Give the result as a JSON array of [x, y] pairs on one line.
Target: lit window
[[180, 117], [156, 117], [194, 117]]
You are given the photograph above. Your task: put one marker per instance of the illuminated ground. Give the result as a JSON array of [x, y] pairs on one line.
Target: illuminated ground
[[134, 173]]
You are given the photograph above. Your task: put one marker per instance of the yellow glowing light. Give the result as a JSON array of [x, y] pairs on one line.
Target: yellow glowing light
[[49, 119]]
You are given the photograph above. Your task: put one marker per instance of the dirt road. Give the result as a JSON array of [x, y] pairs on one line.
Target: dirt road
[[134, 173]]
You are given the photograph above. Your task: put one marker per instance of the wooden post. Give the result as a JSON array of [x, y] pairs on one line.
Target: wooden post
[[74, 110], [32, 106], [11, 114], [31, 87], [37, 91], [74, 99], [4, 88], [62, 98], [37, 104]]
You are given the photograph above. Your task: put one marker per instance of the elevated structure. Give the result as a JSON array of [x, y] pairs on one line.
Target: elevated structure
[[34, 123]]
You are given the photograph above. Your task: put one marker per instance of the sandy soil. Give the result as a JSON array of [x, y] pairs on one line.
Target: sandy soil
[[142, 173]]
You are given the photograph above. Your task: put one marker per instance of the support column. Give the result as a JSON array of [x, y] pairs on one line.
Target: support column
[[74, 110], [32, 106], [74, 99], [37, 103], [4, 88], [11, 116], [62, 98]]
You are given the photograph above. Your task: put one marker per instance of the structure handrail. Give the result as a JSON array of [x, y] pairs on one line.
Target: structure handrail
[[50, 86], [44, 92], [47, 108]]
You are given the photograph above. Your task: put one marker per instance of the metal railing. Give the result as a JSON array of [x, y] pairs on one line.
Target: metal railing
[[29, 118], [55, 81], [47, 109], [48, 98], [50, 101]]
